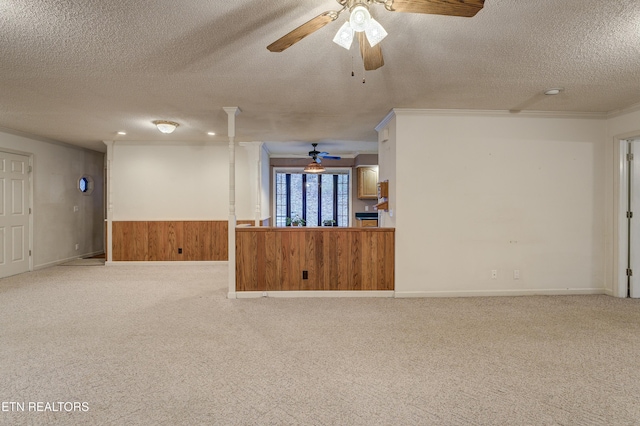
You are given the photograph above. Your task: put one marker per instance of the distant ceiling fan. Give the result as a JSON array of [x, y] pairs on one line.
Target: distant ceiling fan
[[317, 156], [368, 30]]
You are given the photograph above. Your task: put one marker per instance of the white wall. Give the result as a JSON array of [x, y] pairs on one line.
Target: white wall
[[387, 168], [178, 181], [56, 227], [479, 191]]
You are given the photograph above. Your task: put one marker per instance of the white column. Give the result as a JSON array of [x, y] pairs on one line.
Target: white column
[[109, 220], [258, 184], [231, 113]]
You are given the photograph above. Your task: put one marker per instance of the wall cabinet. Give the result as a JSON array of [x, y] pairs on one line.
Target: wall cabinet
[[368, 183], [383, 194]]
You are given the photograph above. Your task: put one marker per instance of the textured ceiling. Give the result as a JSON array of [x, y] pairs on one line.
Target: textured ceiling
[[78, 71]]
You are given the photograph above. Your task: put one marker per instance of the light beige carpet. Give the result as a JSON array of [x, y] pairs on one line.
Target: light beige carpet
[[161, 345]]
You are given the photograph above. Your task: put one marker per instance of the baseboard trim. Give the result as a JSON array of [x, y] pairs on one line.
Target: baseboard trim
[[309, 293], [167, 263], [493, 293], [68, 259]]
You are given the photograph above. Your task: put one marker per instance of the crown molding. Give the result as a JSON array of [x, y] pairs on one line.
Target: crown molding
[[385, 120], [622, 111], [500, 113]]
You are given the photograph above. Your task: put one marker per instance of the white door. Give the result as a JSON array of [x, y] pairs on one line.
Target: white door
[[14, 214]]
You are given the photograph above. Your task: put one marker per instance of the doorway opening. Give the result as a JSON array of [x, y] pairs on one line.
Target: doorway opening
[[629, 219]]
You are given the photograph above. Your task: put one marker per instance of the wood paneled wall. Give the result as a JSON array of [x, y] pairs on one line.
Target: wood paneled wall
[[161, 240], [273, 259]]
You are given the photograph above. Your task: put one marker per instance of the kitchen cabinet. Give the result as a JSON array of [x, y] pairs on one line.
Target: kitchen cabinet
[[383, 194], [368, 183]]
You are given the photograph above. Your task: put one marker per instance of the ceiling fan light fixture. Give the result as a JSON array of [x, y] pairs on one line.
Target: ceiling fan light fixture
[[165, 126], [375, 32], [314, 167], [344, 36], [360, 18]]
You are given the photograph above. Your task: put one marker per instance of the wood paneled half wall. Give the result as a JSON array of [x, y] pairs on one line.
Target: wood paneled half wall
[[299, 258], [170, 240]]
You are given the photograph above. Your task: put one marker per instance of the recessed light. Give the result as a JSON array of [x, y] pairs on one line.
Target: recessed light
[[553, 92], [211, 133], [122, 133]]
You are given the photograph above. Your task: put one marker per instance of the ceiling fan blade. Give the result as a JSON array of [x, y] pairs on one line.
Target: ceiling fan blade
[[327, 156], [372, 56], [466, 8], [302, 31]]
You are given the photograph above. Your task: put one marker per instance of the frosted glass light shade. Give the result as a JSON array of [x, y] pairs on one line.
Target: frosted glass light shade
[[375, 32], [166, 126], [344, 36], [359, 18]]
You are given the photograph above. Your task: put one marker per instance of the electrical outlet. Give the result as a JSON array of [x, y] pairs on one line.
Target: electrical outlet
[[516, 274], [494, 274], [305, 275], [180, 250], [77, 246], [76, 208]]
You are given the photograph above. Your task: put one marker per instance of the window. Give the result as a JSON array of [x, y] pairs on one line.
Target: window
[[85, 185], [317, 199]]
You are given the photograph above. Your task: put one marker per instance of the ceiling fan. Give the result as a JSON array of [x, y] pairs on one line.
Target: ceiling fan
[[317, 156], [368, 30]]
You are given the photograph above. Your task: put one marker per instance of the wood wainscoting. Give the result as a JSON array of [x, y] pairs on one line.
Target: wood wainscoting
[[335, 259], [162, 240]]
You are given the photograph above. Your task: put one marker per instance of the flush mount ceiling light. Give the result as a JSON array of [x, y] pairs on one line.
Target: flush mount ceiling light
[[369, 31], [165, 126], [314, 167]]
